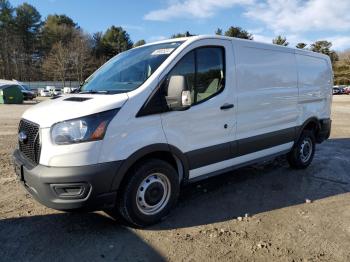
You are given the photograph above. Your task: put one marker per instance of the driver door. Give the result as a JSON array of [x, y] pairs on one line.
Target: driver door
[[205, 131]]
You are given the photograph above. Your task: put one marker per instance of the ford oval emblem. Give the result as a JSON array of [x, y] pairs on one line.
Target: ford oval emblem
[[22, 137]]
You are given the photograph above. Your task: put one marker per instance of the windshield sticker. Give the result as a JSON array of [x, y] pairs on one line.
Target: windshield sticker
[[163, 51]]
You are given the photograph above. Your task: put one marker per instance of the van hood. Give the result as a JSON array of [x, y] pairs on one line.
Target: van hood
[[72, 106]]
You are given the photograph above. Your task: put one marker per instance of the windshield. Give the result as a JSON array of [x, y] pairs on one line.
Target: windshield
[[128, 70]]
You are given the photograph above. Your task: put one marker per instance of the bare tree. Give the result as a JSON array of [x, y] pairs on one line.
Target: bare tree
[[344, 56], [58, 63], [80, 55]]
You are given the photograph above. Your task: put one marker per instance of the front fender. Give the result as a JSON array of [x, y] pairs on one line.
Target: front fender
[[143, 152]]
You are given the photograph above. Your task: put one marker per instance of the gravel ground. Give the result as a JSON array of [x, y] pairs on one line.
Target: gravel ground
[[209, 222]]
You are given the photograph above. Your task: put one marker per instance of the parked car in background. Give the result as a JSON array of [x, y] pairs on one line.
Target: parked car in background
[[347, 90], [36, 91], [44, 92], [56, 92], [27, 93], [39, 91], [336, 91], [341, 90], [68, 90], [50, 88]]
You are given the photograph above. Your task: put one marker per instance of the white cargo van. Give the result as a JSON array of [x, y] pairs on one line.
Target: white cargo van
[[168, 113]]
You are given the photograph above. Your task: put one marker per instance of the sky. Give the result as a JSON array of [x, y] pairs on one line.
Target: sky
[[298, 20]]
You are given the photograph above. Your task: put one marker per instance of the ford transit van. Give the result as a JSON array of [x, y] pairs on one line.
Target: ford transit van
[[161, 115]]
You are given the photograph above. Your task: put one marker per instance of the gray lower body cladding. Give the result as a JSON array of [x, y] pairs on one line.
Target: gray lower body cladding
[[213, 154], [217, 153]]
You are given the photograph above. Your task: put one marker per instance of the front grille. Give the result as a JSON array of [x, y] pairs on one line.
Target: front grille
[[30, 147]]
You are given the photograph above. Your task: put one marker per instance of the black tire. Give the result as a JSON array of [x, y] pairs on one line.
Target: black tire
[[129, 203], [300, 157]]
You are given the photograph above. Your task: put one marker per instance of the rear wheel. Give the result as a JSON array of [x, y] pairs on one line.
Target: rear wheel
[[301, 155], [149, 193]]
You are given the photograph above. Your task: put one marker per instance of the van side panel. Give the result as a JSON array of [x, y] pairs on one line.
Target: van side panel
[[314, 82], [267, 89]]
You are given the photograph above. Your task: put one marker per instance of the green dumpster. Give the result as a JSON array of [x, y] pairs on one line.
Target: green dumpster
[[10, 94]]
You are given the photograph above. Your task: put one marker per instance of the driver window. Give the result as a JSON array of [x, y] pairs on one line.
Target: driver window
[[210, 72], [203, 69]]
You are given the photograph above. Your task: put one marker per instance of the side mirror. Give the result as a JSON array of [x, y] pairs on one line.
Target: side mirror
[[179, 98]]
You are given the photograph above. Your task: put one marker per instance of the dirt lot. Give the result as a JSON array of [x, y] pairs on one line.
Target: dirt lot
[[280, 226]]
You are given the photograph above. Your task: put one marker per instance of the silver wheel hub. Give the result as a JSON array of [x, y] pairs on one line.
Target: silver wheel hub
[[153, 194], [306, 150]]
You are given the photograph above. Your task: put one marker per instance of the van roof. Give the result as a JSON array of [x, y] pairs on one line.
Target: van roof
[[268, 45]]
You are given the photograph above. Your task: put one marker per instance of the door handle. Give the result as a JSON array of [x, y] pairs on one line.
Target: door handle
[[226, 106]]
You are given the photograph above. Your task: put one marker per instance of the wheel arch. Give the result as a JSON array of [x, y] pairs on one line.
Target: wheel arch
[[311, 123], [166, 152]]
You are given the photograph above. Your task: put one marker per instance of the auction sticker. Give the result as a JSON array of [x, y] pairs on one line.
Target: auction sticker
[[162, 51]]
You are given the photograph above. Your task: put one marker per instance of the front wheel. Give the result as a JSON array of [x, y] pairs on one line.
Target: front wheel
[[149, 193], [301, 155]]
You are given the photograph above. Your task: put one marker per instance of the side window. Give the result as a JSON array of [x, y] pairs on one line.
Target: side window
[[210, 72], [203, 69]]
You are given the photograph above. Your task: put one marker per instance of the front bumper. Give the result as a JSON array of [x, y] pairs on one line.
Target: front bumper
[[67, 188]]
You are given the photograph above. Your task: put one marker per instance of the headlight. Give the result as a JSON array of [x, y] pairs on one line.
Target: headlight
[[87, 128]]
